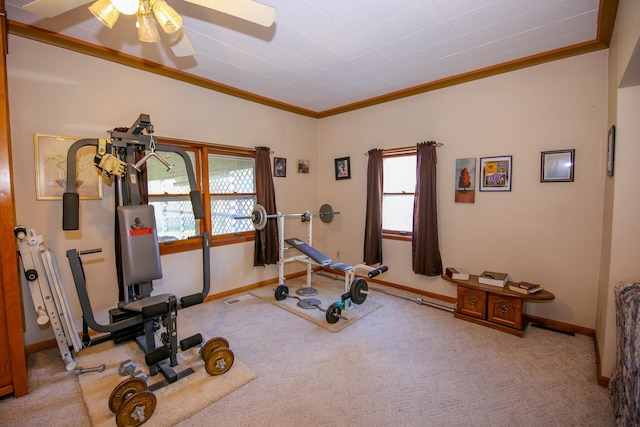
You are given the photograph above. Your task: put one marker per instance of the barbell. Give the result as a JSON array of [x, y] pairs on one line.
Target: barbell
[[259, 215]]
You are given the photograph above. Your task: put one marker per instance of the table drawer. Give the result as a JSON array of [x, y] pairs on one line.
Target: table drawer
[[472, 302], [505, 311]]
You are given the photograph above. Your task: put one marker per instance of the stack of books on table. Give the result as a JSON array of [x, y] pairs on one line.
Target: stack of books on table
[[525, 287], [457, 273], [493, 278]]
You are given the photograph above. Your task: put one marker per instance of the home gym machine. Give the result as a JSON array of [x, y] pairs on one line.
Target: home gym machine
[[139, 313], [355, 288]]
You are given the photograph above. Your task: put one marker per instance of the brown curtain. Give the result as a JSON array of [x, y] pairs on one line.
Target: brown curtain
[[266, 245], [424, 243], [373, 219]]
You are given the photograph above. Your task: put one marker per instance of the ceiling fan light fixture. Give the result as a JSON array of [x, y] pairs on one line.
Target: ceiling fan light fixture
[[105, 12], [166, 16], [126, 7], [147, 31]]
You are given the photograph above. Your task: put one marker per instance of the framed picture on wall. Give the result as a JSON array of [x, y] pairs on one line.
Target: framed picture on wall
[[343, 168], [557, 166], [51, 168], [303, 166], [465, 180], [495, 173], [279, 167]]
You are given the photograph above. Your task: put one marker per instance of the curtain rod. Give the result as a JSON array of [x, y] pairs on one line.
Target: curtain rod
[[410, 148]]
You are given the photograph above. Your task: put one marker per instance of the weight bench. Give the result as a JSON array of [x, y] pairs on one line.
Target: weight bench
[[356, 289], [141, 265]]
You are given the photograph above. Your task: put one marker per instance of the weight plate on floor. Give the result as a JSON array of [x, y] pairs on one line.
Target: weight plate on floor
[[358, 288], [211, 344], [259, 217], [125, 390], [282, 292], [333, 313], [220, 361], [308, 303], [137, 409], [326, 213], [307, 291]]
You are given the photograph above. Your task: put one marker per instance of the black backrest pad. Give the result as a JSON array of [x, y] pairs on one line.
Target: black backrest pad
[[139, 244]]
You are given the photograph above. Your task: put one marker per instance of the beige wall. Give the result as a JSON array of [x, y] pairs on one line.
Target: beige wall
[[549, 233], [52, 90], [540, 232], [620, 243]]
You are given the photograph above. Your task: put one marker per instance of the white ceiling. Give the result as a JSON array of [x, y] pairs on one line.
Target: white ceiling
[[324, 54]]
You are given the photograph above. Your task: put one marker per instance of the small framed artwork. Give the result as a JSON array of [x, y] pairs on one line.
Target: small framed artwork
[[279, 167], [51, 168], [557, 166], [303, 166], [343, 168], [495, 173], [611, 149]]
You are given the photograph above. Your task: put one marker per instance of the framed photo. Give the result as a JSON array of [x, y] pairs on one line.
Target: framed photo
[[495, 173], [611, 149], [343, 168], [51, 168], [279, 167], [557, 166], [303, 166]]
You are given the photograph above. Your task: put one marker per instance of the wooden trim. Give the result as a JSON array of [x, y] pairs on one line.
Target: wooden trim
[[606, 19], [10, 284]]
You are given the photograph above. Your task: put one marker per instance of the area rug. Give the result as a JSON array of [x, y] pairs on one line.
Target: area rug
[[329, 291], [176, 401]]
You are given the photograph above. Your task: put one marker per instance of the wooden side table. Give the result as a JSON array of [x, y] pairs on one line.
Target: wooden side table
[[493, 306]]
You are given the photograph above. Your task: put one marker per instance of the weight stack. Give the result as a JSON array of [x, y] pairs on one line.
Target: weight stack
[[127, 334]]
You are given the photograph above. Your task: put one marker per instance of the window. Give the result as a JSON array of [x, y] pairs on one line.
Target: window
[[231, 192], [398, 193]]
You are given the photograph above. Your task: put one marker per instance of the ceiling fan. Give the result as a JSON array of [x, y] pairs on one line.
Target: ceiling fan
[[108, 11]]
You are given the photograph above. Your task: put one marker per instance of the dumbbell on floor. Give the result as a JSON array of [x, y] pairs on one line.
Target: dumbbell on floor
[[128, 367], [217, 356]]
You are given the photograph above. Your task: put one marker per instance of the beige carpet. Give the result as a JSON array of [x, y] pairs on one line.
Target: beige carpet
[[329, 291], [176, 401]]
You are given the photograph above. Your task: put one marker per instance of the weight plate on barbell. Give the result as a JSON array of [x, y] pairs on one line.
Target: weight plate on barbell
[[207, 349], [125, 390], [358, 290], [333, 313], [282, 291], [259, 217], [220, 361], [136, 410], [326, 213]]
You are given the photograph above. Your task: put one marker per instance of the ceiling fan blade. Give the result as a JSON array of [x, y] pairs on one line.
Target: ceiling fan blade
[[181, 45], [249, 10], [51, 8]]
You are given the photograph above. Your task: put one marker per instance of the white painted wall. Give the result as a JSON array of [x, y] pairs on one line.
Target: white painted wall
[[540, 232]]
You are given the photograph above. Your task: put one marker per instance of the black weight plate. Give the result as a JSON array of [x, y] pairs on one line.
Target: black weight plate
[[358, 288], [282, 292], [333, 313]]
